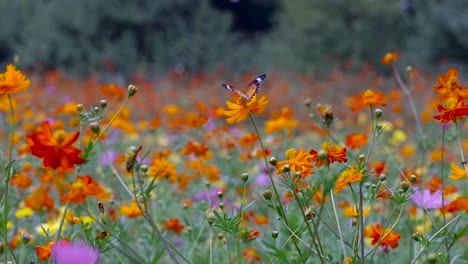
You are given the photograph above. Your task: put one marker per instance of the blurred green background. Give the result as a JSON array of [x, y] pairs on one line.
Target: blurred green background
[[157, 36]]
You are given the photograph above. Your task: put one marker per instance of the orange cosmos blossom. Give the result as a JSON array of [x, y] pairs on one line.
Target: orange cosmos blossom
[[56, 148], [298, 161], [40, 199], [350, 211], [390, 57], [240, 109], [251, 256], [376, 232], [356, 140], [13, 81], [332, 153], [131, 211], [83, 187], [457, 173], [368, 99], [43, 252], [456, 110], [347, 177], [449, 86], [173, 224]]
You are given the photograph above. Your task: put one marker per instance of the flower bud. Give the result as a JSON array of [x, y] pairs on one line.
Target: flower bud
[[413, 178], [267, 195], [26, 238], [378, 113], [404, 186], [210, 217], [382, 177], [245, 177], [96, 109], [131, 90], [273, 161], [274, 234], [79, 107], [220, 236], [95, 127], [144, 168], [220, 195], [103, 103], [286, 168], [322, 155], [308, 102], [416, 236], [221, 205]]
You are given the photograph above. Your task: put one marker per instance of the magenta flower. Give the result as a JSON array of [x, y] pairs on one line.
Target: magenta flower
[[427, 199], [74, 253]]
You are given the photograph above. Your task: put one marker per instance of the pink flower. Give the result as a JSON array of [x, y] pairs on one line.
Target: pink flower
[[75, 253], [427, 199]]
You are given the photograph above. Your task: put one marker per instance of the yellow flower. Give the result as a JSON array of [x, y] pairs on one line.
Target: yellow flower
[[13, 81], [350, 211], [26, 211], [457, 173], [72, 219], [347, 177], [241, 109]]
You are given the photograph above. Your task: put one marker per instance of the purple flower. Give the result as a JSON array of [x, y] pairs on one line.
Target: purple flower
[[427, 199], [74, 253]]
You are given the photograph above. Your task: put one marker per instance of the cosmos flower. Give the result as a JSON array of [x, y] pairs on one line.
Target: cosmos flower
[[376, 232], [13, 81], [74, 253], [427, 199], [368, 99], [240, 109]]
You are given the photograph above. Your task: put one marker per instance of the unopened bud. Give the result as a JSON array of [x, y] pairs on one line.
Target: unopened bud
[[95, 127], [413, 178], [220, 195], [286, 168], [404, 186], [220, 236], [210, 217], [26, 238], [144, 168], [267, 195], [274, 234], [322, 155], [378, 113], [307, 102], [79, 107], [273, 161], [221, 205], [245, 177], [382, 177], [103, 103], [131, 90], [416, 236]]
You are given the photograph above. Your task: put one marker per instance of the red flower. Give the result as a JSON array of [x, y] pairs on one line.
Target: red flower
[[456, 109], [55, 147], [375, 232]]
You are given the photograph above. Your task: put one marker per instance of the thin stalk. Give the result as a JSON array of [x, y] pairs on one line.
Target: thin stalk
[[112, 120], [312, 234], [338, 225], [442, 171], [361, 222], [412, 105], [278, 198], [460, 146], [7, 180], [433, 236], [211, 245]]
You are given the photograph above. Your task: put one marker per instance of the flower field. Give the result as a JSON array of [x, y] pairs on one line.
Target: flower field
[[352, 167]]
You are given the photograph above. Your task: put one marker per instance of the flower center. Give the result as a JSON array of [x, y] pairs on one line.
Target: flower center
[[369, 93], [60, 136], [451, 103], [290, 153]]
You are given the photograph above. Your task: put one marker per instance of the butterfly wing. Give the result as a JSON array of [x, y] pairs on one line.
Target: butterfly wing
[[253, 87], [251, 90], [237, 92]]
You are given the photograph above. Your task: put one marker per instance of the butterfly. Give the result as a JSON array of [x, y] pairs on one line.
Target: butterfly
[[251, 90]]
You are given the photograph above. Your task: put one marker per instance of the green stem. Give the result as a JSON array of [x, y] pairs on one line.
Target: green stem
[[283, 215], [112, 120], [7, 180], [211, 245]]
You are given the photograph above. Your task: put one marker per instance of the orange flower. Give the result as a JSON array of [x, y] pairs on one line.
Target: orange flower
[[131, 211], [43, 252], [71, 219], [281, 121], [298, 161], [173, 224], [13, 81], [241, 109], [461, 203], [376, 232], [21, 180], [249, 234], [449, 87], [113, 90], [368, 99], [56, 148], [331, 154], [83, 187], [390, 57], [40, 199], [198, 150], [251, 255], [356, 140], [162, 168], [455, 110], [347, 177], [248, 140], [457, 173], [350, 211]]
